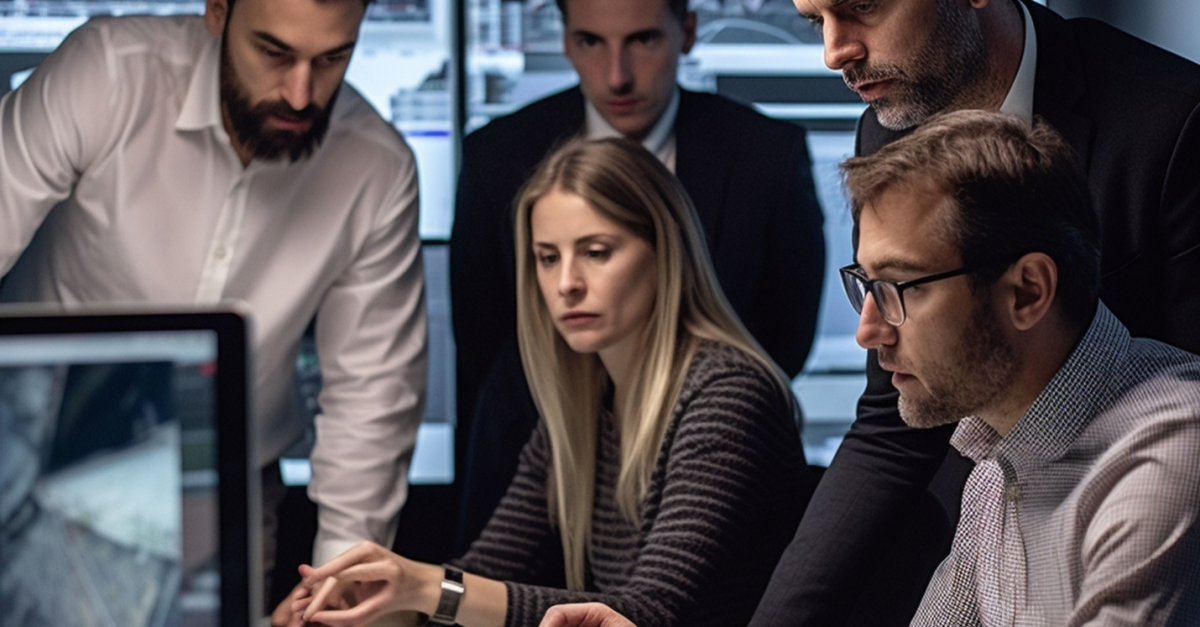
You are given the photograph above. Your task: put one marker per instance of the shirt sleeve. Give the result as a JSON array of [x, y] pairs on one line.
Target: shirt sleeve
[[50, 129], [1140, 556], [372, 345], [720, 523]]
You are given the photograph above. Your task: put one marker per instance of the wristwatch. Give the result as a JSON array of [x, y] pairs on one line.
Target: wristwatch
[[452, 593]]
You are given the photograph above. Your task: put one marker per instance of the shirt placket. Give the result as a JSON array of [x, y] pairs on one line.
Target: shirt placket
[[1014, 574], [222, 248]]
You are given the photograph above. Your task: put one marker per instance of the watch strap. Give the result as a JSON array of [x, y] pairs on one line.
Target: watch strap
[[452, 593]]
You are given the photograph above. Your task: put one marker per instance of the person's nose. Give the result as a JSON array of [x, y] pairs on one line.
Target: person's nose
[[620, 70], [298, 86], [570, 281], [873, 331], [843, 44]]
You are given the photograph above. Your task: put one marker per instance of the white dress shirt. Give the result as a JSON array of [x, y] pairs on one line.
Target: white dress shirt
[[1019, 100], [118, 183], [660, 141]]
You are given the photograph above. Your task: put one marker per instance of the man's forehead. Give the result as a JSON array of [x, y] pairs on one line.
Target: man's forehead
[[905, 228], [302, 24]]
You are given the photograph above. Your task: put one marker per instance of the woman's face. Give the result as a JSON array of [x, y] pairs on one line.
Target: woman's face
[[598, 278]]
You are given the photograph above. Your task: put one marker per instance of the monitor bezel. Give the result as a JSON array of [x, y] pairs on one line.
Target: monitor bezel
[[238, 500]]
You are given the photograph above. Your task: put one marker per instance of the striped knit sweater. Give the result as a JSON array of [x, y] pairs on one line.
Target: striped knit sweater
[[724, 500]]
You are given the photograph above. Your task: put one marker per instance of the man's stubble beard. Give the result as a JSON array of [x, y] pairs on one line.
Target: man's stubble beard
[[950, 71], [984, 368]]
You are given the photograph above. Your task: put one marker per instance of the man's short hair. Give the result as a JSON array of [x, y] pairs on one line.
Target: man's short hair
[[1017, 189], [679, 8]]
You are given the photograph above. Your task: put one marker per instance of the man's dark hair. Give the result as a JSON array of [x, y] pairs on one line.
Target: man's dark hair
[[1016, 190], [679, 8]]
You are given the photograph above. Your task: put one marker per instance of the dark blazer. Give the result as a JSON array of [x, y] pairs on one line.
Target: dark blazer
[[1131, 112], [751, 181]]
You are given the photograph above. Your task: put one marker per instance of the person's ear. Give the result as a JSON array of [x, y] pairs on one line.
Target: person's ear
[[689, 32], [1033, 283], [215, 14]]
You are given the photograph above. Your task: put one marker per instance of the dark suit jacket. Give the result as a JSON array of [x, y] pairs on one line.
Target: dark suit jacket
[[750, 179], [1131, 112]]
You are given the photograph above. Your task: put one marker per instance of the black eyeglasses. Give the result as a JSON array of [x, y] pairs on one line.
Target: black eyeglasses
[[889, 295]]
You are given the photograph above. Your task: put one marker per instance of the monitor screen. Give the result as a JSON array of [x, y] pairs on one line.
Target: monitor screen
[[122, 473]]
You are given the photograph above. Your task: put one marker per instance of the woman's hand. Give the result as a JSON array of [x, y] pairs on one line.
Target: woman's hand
[[364, 583], [584, 615]]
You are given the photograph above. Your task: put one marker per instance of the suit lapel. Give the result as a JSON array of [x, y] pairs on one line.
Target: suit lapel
[[701, 165], [562, 120], [1058, 93]]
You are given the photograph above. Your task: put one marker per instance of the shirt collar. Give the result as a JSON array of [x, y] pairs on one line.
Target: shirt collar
[[1062, 410], [202, 106], [1020, 95], [656, 141]]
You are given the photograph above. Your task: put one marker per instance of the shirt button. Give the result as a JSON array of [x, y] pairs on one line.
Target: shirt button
[[220, 252]]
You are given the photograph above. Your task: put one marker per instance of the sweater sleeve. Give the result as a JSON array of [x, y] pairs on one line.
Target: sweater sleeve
[[519, 542], [711, 523]]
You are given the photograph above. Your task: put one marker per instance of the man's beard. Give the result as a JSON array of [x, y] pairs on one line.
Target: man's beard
[[983, 367], [951, 67], [249, 121]]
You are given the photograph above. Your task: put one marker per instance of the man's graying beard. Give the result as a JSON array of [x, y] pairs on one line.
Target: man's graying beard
[[949, 69]]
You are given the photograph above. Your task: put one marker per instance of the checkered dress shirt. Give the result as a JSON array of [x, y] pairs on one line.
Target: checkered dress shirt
[[1085, 514]]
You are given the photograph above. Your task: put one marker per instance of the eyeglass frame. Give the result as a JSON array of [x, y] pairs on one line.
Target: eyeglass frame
[[855, 270]]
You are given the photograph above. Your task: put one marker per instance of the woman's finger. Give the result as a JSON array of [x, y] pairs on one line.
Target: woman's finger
[[363, 551], [362, 614], [382, 570], [328, 588]]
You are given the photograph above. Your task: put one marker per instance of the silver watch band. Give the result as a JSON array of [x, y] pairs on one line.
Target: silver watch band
[[452, 593]]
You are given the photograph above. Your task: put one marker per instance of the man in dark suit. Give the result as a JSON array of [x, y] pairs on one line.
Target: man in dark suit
[[749, 176], [1130, 111]]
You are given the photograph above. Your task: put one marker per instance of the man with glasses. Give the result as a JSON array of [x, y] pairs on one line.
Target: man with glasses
[[977, 282], [1131, 112]]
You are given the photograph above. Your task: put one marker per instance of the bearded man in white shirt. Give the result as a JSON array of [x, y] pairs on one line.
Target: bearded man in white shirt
[[189, 160]]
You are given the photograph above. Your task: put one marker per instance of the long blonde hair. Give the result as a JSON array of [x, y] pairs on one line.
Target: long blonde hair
[[628, 185]]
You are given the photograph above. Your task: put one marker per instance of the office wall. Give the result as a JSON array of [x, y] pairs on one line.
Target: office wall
[[1170, 24]]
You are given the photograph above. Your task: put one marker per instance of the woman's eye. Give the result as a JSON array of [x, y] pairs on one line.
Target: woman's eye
[[599, 253], [546, 260]]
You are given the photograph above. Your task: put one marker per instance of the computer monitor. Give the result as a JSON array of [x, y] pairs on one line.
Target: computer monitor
[[126, 497]]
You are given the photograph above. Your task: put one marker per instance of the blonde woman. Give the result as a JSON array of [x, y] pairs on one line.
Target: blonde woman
[[666, 474]]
